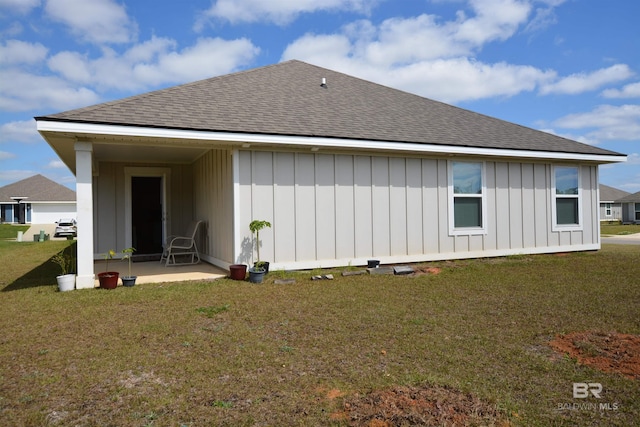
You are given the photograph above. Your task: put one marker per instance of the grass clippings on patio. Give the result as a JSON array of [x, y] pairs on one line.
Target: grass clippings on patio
[[233, 353]]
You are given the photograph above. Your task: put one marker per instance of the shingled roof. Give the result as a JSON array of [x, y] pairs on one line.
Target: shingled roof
[[630, 198], [289, 99], [609, 194], [38, 189]]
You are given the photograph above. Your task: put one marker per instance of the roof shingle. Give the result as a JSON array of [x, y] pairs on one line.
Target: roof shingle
[[288, 99], [631, 198], [38, 189], [609, 194]]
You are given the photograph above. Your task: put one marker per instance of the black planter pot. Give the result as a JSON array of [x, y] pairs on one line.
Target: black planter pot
[[128, 280], [256, 275]]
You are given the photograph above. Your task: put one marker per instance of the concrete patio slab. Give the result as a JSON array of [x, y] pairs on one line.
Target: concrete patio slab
[[155, 272]]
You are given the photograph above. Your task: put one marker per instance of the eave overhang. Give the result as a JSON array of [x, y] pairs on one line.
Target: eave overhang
[[87, 131]]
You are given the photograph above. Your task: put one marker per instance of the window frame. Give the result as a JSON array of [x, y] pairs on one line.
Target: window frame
[[608, 211], [555, 196], [467, 231]]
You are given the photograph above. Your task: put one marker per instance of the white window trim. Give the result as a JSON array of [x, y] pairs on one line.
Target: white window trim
[[554, 218], [608, 210], [466, 231]]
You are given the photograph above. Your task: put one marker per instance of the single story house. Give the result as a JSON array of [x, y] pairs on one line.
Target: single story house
[[630, 208], [610, 208], [345, 170], [36, 200]]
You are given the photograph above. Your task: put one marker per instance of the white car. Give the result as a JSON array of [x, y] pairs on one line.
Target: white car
[[66, 227]]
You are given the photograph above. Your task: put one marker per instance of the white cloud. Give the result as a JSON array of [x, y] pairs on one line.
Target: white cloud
[[11, 30], [19, 6], [493, 20], [631, 90], [435, 58], [426, 56], [22, 91], [609, 122], [21, 131], [56, 164], [5, 155], [461, 79], [583, 82], [448, 80], [71, 65], [280, 12], [95, 21], [155, 62], [17, 52], [633, 159], [78, 78], [402, 41], [574, 137], [208, 57]]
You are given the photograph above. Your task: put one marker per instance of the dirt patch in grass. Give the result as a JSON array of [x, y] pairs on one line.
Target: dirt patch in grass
[[606, 351], [428, 270], [419, 406]]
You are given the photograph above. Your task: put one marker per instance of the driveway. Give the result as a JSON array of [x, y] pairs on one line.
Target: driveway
[[627, 239], [35, 229]]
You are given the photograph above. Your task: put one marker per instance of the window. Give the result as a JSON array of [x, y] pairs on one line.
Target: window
[[567, 212], [466, 198], [607, 209], [637, 211]]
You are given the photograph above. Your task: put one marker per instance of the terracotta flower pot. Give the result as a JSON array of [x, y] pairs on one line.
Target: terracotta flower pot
[[108, 279], [237, 271]]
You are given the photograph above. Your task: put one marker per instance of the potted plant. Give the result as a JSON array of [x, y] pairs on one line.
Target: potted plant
[[128, 280], [108, 279], [237, 271], [67, 262], [260, 268]]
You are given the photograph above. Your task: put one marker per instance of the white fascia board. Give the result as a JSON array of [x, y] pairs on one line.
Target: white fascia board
[[320, 142], [52, 202]]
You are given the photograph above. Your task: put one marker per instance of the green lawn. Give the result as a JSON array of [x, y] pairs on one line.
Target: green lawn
[[10, 231], [616, 229], [233, 353]]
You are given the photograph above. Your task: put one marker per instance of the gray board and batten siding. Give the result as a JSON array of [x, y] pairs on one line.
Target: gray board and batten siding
[[338, 209]]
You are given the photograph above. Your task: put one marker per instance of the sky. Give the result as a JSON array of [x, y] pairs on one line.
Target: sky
[[568, 67]]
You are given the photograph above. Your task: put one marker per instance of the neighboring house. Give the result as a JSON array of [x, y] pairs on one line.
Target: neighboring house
[[630, 208], [36, 200], [345, 170], [610, 208]]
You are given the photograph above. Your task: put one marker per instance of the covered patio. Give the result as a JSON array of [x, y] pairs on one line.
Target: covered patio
[[155, 272]]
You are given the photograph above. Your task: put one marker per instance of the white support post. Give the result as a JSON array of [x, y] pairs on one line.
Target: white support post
[[84, 202]]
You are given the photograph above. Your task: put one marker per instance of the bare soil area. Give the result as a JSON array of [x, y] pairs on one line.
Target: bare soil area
[[607, 351], [433, 405], [419, 406]]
